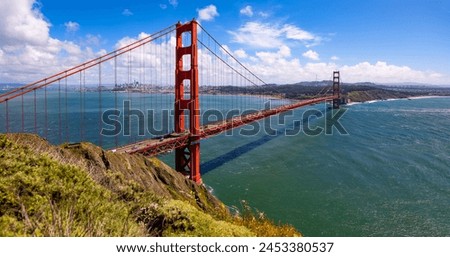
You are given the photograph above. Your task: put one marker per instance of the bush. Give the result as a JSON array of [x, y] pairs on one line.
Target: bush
[[178, 218], [41, 197], [259, 224]]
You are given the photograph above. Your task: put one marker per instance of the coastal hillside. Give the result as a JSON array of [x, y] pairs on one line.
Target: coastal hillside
[[369, 94], [82, 190], [357, 92]]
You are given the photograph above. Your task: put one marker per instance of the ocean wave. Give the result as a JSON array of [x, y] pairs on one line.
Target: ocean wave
[[396, 99], [427, 97], [353, 103]]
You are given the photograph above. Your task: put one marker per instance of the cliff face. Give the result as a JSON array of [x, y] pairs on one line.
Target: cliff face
[[82, 190]]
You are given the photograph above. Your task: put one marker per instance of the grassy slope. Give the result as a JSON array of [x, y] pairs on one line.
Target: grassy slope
[[375, 94], [41, 197], [83, 191]]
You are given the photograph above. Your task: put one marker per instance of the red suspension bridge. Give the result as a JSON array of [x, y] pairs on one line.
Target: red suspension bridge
[[71, 106]]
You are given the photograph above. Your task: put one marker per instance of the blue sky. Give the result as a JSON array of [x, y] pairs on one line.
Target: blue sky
[[385, 41]]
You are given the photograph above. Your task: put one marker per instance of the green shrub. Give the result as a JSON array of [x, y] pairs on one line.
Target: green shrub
[[259, 224], [178, 218], [41, 197]]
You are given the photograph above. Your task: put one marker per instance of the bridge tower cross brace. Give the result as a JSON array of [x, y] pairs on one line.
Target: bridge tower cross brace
[[187, 159], [336, 89]]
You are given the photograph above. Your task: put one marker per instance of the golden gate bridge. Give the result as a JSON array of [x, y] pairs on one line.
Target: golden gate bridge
[[170, 65]]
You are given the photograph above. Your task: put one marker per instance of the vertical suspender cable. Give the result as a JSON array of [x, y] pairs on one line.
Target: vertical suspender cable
[[35, 113], [23, 114], [129, 88], [66, 112], [45, 114], [81, 106], [59, 112], [154, 99], [240, 91], [160, 74], [141, 89], [170, 123], [144, 87], [7, 116], [166, 57], [116, 138], [166, 77], [100, 105]]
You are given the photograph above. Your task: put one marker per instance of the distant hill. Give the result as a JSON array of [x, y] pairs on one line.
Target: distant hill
[[354, 92]]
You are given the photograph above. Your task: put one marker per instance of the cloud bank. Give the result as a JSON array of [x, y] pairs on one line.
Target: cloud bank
[[278, 53]]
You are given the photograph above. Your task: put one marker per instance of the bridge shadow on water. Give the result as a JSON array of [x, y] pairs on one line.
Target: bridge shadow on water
[[241, 150]]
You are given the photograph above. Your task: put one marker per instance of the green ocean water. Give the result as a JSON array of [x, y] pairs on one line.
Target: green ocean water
[[389, 176]]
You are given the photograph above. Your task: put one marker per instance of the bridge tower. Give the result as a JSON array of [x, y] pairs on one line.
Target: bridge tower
[[187, 159], [336, 89]]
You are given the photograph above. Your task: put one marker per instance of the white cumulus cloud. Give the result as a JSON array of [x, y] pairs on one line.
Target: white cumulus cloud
[[208, 13], [280, 66], [293, 32], [22, 23], [247, 11], [240, 53], [258, 35], [27, 50], [334, 58], [266, 35], [173, 3], [72, 26], [93, 40], [284, 51], [312, 55], [264, 14], [383, 72]]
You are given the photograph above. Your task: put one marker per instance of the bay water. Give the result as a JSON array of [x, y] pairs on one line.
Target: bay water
[[388, 175]]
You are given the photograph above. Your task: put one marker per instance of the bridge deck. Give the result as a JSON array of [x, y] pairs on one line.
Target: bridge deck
[[167, 143]]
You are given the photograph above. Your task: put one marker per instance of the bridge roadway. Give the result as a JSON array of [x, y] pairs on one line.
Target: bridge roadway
[[170, 142]]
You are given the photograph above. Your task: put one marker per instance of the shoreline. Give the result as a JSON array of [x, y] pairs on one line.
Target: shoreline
[[397, 99]]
